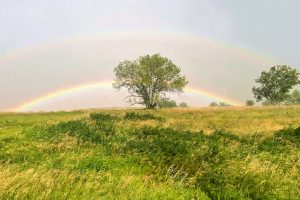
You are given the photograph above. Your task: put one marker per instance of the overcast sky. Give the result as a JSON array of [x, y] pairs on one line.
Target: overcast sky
[[266, 28]]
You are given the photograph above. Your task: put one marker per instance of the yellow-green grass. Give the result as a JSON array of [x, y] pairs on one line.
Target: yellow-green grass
[[204, 153], [239, 120]]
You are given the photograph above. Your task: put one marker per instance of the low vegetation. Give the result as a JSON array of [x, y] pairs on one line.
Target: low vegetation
[[212, 153]]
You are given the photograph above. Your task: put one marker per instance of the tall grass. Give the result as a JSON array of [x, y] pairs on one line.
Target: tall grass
[[150, 155]]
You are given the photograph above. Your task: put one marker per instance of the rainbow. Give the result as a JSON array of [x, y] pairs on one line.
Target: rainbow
[[66, 91], [95, 85], [12, 55], [16, 54], [203, 92]]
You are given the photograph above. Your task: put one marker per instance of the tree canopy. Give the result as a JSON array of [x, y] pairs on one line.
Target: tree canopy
[[275, 84], [148, 79]]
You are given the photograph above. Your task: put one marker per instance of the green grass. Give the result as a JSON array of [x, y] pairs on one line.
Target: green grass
[[230, 153]]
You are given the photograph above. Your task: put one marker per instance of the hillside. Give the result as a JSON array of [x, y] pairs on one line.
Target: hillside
[[207, 153]]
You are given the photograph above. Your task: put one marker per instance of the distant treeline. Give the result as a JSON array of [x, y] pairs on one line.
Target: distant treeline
[[169, 103]]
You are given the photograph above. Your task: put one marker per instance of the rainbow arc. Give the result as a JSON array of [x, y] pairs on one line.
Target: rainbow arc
[[95, 85], [19, 54]]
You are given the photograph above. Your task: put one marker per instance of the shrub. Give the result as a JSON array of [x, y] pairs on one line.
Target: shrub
[[136, 116], [249, 103], [78, 128], [183, 105], [167, 103], [102, 117], [213, 104]]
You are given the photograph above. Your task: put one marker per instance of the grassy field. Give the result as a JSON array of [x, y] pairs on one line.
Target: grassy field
[[208, 153]]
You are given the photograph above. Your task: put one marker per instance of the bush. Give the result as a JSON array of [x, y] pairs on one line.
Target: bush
[[249, 103], [136, 116], [183, 105], [290, 134], [213, 104], [102, 117], [77, 128], [224, 104], [105, 123], [167, 103]]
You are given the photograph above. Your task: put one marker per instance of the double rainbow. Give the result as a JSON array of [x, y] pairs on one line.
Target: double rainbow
[[30, 104]]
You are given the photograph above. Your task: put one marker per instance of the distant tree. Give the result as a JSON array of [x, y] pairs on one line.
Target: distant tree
[[249, 103], [183, 105], [167, 103], [275, 84], [293, 98], [266, 103], [148, 79], [224, 104], [213, 104]]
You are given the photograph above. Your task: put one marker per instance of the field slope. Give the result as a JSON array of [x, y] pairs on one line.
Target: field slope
[[209, 153]]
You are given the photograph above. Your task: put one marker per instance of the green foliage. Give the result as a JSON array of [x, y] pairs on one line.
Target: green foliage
[[136, 116], [77, 128], [213, 104], [221, 104], [167, 103], [267, 103], [102, 117], [290, 134], [275, 84], [105, 123], [293, 98], [148, 79], [93, 163], [224, 104], [249, 103], [183, 105]]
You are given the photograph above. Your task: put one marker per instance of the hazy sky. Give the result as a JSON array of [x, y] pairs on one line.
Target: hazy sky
[[221, 45]]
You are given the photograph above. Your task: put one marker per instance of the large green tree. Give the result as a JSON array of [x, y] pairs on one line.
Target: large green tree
[[275, 84], [148, 79]]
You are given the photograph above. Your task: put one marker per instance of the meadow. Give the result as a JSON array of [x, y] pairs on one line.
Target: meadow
[[204, 153]]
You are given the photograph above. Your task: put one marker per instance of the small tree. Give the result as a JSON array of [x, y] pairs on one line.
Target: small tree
[[249, 103], [224, 104], [275, 84], [266, 103], [167, 103], [148, 79], [183, 105], [213, 104]]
